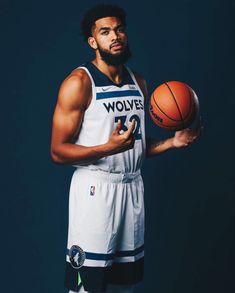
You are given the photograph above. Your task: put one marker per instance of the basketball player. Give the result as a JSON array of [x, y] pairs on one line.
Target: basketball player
[[98, 127]]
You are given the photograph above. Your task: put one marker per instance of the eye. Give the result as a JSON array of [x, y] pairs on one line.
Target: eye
[[104, 33], [121, 29]]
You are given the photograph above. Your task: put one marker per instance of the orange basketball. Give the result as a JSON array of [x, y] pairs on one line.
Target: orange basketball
[[173, 105]]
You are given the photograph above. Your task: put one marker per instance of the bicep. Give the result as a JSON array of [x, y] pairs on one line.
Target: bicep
[[66, 124], [70, 108]]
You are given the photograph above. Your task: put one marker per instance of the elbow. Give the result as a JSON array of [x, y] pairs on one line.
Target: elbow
[[56, 158]]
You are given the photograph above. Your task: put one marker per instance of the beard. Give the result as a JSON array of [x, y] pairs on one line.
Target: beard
[[115, 60]]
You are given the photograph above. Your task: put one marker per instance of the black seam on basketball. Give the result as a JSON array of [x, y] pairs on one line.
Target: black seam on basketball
[[175, 103], [176, 120], [166, 126]]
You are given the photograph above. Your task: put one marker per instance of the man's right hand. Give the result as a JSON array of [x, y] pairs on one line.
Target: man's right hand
[[120, 140]]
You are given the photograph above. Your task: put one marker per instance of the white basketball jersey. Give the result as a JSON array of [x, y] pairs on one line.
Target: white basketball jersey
[[111, 102]]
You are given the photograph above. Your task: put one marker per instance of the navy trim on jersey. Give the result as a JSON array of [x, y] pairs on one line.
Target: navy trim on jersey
[[99, 256], [116, 94], [130, 252], [110, 256]]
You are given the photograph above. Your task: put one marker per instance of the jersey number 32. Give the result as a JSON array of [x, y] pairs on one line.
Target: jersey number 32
[[136, 133]]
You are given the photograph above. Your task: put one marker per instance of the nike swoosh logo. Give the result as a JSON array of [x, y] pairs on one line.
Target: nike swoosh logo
[[105, 89]]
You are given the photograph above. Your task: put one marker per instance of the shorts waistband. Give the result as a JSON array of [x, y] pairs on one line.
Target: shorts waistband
[[108, 176]]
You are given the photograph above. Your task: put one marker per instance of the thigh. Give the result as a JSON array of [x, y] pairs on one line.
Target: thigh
[[106, 220], [128, 263], [94, 216]]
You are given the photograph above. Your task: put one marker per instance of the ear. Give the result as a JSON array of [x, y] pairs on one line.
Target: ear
[[92, 43]]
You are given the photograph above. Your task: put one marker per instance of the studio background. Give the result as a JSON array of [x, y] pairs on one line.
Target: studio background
[[189, 193]]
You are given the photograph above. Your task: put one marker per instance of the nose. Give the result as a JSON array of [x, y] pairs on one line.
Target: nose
[[114, 35]]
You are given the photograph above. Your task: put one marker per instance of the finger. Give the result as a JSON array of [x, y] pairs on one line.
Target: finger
[[185, 131], [195, 131], [131, 128], [118, 126], [195, 137], [131, 142]]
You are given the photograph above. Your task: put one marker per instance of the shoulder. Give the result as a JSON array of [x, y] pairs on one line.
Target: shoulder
[[77, 78], [76, 89]]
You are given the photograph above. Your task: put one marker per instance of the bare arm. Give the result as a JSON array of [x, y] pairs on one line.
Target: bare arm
[[73, 100], [181, 138]]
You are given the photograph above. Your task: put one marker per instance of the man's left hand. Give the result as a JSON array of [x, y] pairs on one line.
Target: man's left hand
[[187, 136]]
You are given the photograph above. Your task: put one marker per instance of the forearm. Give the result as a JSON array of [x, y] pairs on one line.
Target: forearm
[[156, 147], [68, 153]]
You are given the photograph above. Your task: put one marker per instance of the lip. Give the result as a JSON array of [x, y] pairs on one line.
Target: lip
[[117, 46]]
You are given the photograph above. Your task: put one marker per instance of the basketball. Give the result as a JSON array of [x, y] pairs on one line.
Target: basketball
[[173, 105]]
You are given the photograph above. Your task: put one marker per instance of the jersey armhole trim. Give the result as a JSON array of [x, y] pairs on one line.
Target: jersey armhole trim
[[93, 99], [137, 85], [135, 81]]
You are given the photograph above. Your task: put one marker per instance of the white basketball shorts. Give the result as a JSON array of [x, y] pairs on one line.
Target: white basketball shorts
[[106, 230]]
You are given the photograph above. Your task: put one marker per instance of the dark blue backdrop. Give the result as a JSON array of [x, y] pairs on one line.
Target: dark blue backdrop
[[189, 192]]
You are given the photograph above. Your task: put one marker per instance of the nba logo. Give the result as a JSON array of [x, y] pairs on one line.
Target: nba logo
[[92, 190]]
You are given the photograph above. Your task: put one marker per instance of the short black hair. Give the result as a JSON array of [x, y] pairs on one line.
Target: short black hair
[[97, 12]]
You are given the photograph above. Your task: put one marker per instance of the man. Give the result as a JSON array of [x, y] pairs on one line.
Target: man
[[98, 126]]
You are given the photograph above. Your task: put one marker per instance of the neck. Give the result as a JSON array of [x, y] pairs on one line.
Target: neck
[[113, 72]]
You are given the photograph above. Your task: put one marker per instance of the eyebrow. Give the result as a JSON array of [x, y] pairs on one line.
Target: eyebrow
[[104, 28]]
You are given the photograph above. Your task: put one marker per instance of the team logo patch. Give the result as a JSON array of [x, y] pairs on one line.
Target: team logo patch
[[132, 87], [76, 256], [92, 190]]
